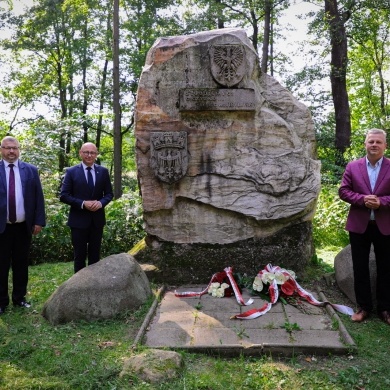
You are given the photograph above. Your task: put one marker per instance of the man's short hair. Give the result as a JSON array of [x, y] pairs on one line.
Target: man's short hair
[[376, 131]]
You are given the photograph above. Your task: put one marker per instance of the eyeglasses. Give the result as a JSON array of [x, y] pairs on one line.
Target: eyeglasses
[[10, 147], [85, 153]]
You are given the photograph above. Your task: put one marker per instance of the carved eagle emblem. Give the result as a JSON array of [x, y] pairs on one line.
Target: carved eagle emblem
[[227, 63]]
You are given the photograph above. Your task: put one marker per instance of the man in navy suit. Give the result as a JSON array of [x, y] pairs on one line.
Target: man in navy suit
[[87, 189], [19, 220]]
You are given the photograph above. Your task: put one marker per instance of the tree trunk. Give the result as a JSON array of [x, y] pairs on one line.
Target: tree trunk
[[338, 78], [221, 19], [116, 106], [85, 86], [267, 34]]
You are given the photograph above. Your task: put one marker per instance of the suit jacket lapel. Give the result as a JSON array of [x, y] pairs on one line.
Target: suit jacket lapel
[[96, 178], [97, 174], [82, 174], [3, 178], [382, 173], [364, 173], [22, 174]]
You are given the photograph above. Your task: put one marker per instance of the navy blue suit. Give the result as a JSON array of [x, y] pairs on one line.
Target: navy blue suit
[[86, 226], [15, 239]]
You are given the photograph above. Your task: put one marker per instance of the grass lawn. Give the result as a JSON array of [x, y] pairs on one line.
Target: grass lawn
[[37, 355]]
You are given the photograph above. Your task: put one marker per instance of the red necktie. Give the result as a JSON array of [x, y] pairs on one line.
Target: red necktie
[[11, 195]]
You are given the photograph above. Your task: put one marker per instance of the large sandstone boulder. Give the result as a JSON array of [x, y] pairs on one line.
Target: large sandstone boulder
[[225, 160], [344, 273], [224, 153], [99, 291]]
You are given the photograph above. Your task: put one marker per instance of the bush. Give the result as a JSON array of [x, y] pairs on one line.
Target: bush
[[123, 230], [124, 224], [330, 218]]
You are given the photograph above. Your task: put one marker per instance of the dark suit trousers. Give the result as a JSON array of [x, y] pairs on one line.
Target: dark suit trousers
[[86, 243], [360, 247], [15, 246]]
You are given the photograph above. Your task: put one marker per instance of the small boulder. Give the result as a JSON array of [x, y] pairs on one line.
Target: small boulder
[[153, 365], [113, 285]]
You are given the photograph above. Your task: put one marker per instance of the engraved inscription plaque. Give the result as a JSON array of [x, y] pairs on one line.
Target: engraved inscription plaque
[[168, 155], [213, 99], [227, 63]]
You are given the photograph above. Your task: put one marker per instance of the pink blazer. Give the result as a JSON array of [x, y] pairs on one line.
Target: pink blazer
[[355, 185]]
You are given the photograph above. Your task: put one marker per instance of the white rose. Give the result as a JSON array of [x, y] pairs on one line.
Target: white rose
[[219, 292], [213, 286]]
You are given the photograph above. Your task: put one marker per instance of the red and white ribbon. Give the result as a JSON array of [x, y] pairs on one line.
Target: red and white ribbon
[[237, 292], [189, 294], [289, 287], [218, 277]]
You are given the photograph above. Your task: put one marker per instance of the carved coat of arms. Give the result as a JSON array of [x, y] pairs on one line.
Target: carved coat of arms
[[228, 65], [168, 155]]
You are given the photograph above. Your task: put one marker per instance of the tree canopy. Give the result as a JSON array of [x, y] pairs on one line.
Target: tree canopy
[[58, 68]]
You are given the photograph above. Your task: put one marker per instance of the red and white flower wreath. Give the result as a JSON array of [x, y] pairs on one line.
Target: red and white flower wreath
[[272, 275]]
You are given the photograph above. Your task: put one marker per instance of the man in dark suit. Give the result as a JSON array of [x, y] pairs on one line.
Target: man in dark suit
[[22, 214], [366, 187], [87, 189]]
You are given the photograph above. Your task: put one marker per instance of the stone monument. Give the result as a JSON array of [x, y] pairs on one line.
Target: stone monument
[[226, 161]]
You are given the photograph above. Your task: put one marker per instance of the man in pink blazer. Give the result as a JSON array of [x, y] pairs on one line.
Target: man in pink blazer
[[366, 187]]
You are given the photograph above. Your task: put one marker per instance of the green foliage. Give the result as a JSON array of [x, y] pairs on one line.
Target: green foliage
[[317, 261], [240, 332], [317, 268], [332, 164], [330, 218], [53, 244], [124, 224], [331, 173], [146, 22], [291, 327], [369, 51]]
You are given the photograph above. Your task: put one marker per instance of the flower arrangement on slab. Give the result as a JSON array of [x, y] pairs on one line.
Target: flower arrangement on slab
[[271, 277], [217, 289]]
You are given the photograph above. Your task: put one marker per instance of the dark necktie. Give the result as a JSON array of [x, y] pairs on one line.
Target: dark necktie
[[11, 195], [90, 180]]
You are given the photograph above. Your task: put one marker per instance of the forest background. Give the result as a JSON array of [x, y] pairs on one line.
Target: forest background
[[70, 71]]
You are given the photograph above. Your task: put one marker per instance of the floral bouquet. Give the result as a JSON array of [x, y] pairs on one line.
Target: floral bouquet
[[282, 278], [222, 284], [218, 290], [219, 286]]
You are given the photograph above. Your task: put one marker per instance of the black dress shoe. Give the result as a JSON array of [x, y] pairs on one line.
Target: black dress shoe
[[22, 304], [2, 310]]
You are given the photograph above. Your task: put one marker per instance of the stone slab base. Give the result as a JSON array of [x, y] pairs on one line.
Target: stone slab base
[[203, 325], [290, 248]]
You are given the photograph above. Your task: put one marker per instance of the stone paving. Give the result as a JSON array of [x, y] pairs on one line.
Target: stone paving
[[204, 324]]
